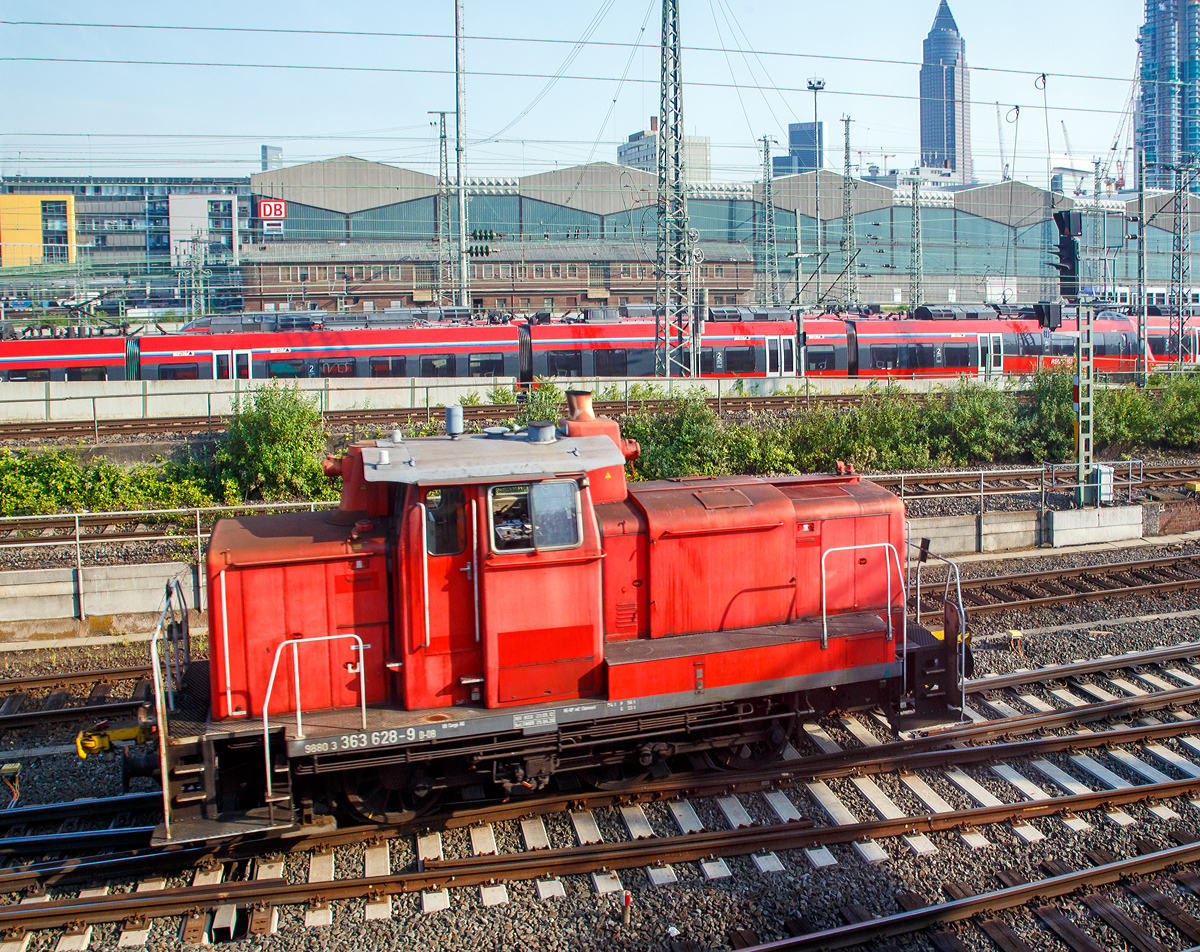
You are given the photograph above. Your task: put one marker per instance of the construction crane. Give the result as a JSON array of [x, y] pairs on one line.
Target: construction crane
[[1124, 132], [1071, 162], [1004, 176]]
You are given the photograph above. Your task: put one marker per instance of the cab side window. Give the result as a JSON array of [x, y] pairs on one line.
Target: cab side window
[[446, 520], [535, 516]]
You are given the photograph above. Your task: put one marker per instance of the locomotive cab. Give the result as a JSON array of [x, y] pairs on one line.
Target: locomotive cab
[[499, 608]]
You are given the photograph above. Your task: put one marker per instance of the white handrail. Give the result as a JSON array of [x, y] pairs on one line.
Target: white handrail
[[962, 617], [360, 670], [889, 551], [161, 703]]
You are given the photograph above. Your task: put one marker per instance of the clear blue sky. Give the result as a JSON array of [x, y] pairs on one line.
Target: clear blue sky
[[71, 117]]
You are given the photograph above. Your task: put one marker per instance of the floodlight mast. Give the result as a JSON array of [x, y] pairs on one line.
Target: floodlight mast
[[816, 84]]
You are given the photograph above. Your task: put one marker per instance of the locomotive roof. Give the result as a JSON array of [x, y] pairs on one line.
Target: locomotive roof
[[475, 457]]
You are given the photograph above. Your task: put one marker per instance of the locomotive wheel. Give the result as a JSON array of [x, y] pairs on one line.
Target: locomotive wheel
[[385, 794]]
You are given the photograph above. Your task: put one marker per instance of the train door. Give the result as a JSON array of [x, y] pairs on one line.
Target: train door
[[781, 357], [991, 355], [453, 654], [851, 349], [233, 364]]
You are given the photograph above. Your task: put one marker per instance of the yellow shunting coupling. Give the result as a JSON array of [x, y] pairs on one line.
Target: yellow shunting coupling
[[101, 739]]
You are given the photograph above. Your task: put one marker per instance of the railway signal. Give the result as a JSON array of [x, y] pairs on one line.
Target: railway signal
[[1070, 226], [485, 236]]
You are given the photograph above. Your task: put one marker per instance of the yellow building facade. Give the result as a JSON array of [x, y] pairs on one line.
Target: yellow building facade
[[36, 229]]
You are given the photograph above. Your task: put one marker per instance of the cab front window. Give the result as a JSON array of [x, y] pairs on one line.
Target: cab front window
[[535, 516]]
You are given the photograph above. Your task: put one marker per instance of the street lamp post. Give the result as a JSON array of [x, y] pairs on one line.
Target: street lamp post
[[816, 84]]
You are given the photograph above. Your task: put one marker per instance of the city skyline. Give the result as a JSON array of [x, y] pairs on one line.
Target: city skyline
[[116, 117]]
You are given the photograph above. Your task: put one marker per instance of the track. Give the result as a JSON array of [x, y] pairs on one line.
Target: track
[[399, 416], [83, 429], [1031, 481], [221, 883], [55, 703], [1022, 592]]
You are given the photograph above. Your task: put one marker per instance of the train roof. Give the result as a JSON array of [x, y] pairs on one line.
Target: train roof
[[477, 457]]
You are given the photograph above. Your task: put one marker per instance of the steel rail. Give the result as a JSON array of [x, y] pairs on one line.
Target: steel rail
[[49, 812], [1001, 587], [58, 715], [905, 923], [76, 677], [903, 756], [1187, 649], [574, 860]]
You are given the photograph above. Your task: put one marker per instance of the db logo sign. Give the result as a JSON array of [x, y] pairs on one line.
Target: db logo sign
[[272, 209]]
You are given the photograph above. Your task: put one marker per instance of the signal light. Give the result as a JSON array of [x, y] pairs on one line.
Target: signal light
[[1069, 225], [1049, 315]]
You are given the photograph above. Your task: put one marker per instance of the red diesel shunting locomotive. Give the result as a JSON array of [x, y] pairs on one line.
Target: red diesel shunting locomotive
[[486, 611]]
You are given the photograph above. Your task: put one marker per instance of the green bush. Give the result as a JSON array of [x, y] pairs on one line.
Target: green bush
[[544, 401], [970, 423], [685, 441], [272, 448], [1181, 412], [1047, 417], [34, 482]]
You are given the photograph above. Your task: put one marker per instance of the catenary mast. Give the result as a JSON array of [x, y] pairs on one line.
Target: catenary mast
[[673, 352]]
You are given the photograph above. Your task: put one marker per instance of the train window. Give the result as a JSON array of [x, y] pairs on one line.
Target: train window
[[31, 374], [389, 366], [1159, 346], [885, 356], [1062, 346], [445, 520], [222, 366], [611, 363], [960, 355], [740, 360], [918, 356], [708, 363], [564, 363], [87, 373], [789, 359], [819, 358], [538, 516], [485, 365], [286, 368], [343, 367], [439, 365], [772, 356], [1029, 345], [179, 372]]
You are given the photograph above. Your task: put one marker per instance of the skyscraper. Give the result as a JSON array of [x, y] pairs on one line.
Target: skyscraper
[[1168, 117], [806, 149], [946, 98]]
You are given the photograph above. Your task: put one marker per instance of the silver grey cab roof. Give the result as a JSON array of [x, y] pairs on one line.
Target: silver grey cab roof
[[478, 458]]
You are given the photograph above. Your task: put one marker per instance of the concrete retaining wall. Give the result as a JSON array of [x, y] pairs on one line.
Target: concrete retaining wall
[[40, 594], [1006, 531], [1081, 526], [996, 532]]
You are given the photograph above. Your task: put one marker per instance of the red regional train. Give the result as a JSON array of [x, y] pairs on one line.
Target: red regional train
[[484, 613], [938, 342]]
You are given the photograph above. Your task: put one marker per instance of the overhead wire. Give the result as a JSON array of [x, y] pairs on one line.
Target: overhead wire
[[576, 49], [542, 40], [492, 74]]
